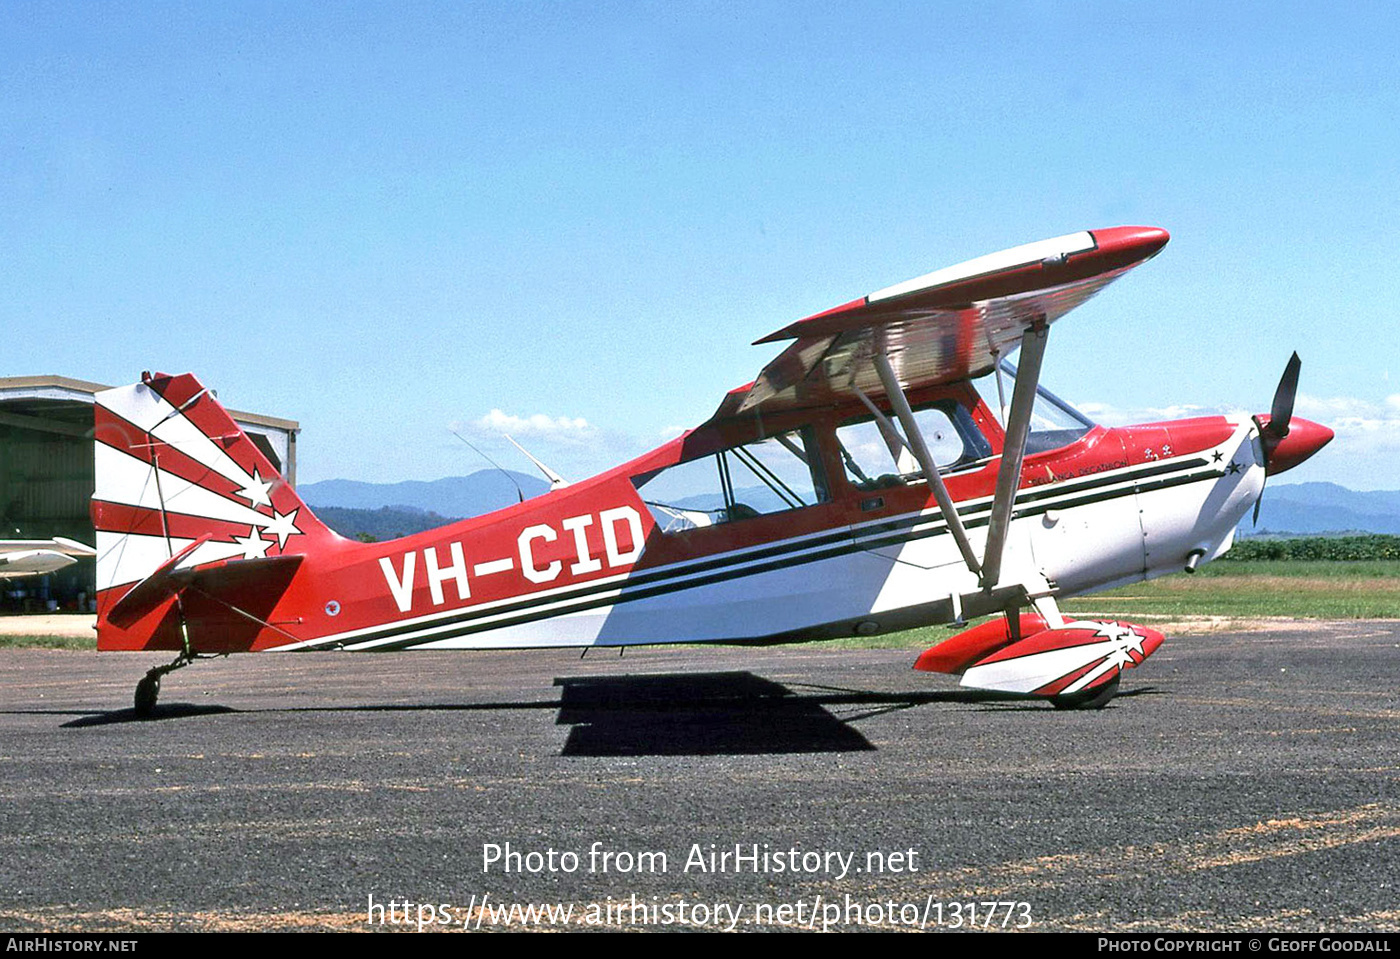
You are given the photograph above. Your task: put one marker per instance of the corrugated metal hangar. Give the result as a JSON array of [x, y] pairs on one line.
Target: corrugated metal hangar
[[46, 478]]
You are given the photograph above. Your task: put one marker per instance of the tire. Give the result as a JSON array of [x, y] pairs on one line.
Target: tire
[[147, 691], [1096, 698]]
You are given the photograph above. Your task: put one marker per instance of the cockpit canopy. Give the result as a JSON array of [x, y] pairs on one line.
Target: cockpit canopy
[[785, 470]]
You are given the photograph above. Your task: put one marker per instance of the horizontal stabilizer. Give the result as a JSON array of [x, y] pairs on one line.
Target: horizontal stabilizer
[[213, 582], [153, 590]]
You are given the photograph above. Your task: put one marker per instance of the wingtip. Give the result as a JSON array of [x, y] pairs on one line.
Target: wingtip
[[1145, 241]]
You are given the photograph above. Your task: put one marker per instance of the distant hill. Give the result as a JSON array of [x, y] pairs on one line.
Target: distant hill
[[387, 522], [1313, 508], [458, 496]]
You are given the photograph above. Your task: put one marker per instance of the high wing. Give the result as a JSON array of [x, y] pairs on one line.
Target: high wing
[[953, 324], [31, 557], [949, 325]]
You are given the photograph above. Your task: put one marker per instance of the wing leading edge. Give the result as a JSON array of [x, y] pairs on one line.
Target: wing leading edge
[[949, 325]]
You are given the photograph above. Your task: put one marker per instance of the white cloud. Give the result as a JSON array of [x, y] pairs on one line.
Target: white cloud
[[1345, 415], [1363, 427], [1115, 416], [571, 445], [1334, 407], [558, 429], [1364, 455]]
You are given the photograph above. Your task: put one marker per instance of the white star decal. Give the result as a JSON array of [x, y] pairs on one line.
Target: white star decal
[[257, 491], [1120, 656], [254, 546], [1124, 636], [282, 526]]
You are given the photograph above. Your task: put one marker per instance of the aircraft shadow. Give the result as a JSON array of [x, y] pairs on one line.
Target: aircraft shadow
[[673, 714], [696, 714], [162, 711], [186, 710], [728, 713]]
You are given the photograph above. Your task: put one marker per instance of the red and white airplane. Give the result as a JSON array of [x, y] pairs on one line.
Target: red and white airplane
[[888, 469]]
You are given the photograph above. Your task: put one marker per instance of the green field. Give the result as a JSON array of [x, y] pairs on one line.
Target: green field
[[48, 642], [1242, 591], [1302, 589]]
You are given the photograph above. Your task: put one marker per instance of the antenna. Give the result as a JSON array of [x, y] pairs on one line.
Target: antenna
[[518, 491], [555, 480]]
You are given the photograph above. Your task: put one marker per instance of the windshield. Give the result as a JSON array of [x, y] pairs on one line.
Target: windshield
[[1054, 423]]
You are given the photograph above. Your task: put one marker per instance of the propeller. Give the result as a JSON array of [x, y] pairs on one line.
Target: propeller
[[1280, 417]]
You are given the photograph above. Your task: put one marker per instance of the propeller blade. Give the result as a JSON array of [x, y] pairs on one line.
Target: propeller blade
[[1281, 413], [1280, 417]]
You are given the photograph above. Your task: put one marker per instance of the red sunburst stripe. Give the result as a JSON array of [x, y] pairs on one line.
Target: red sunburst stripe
[[1064, 682], [114, 431], [141, 521], [173, 388], [205, 413]]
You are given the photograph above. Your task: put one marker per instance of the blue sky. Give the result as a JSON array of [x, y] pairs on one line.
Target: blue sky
[[385, 219]]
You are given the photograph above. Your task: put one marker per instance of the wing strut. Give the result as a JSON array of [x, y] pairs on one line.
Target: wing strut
[[916, 440], [1018, 427]]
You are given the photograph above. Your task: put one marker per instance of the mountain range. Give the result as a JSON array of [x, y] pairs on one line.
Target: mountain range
[[452, 496], [1313, 508], [380, 511]]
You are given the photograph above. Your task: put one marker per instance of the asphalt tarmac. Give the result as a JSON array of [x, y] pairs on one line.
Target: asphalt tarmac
[[1244, 781]]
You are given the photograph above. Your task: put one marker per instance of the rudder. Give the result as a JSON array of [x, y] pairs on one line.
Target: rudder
[[172, 467]]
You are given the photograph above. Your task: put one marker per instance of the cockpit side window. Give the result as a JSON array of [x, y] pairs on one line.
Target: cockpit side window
[[875, 459], [772, 475]]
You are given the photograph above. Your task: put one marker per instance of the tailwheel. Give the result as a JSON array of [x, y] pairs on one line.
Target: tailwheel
[[148, 689], [1096, 698], [146, 692]]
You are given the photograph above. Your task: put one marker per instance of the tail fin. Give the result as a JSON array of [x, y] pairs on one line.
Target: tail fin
[[175, 476]]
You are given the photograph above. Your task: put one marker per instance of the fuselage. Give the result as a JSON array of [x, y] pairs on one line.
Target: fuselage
[[792, 527]]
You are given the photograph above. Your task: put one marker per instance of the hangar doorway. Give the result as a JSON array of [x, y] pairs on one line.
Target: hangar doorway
[[46, 479]]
